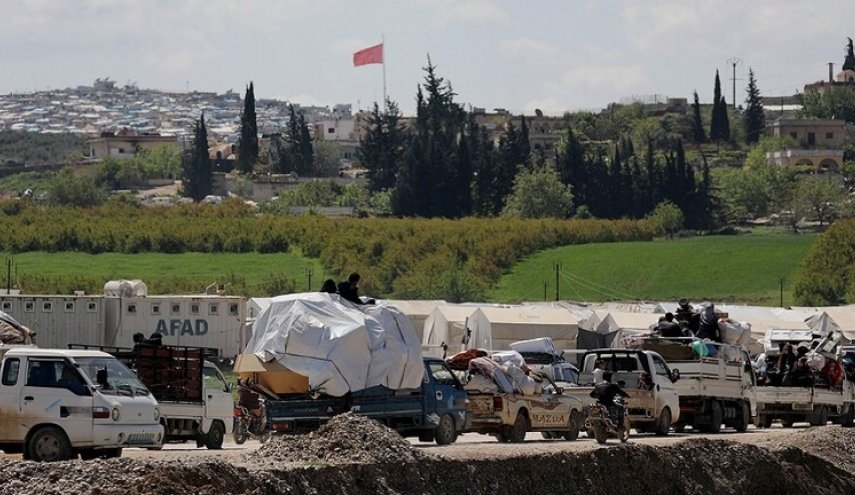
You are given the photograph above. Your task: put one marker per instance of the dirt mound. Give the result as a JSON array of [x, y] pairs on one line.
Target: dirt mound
[[345, 439], [832, 443]]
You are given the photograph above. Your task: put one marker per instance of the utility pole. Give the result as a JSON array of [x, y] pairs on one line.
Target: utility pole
[[782, 292], [733, 62], [9, 277], [544, 289], [557, 269], [309, 273]]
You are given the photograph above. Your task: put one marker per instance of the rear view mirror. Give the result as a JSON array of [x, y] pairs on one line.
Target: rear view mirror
[[675, 375]]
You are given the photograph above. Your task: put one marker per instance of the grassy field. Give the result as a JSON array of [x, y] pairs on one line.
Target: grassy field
[[190, 271], [745, 268]]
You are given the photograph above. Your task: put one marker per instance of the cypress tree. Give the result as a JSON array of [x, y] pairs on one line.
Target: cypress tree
[[571, 167], [381, 148], [698, 132], [725, 120], [248, 143], [849, 62], [716, 129], [755, 121], [196, 182]]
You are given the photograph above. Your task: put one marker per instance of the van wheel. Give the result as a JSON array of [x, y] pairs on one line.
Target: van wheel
[[573, 427], [214, 438], [663, 424], [48, 444], [445, 432]]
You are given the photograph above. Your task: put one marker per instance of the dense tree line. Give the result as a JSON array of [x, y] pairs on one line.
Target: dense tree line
[[396, 257], [445, 165], [30, 148]]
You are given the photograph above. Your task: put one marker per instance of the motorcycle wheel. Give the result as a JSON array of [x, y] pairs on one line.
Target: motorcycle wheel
[[601, 434], [265, 437], [240, 433]]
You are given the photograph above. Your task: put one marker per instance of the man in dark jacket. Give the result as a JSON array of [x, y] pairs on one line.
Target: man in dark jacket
[[605, 394], [349, 290], [668, 328]]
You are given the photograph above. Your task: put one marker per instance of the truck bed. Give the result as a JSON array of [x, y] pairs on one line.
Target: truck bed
[[710, 377]]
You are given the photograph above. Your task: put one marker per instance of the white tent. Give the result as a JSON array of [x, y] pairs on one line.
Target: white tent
[[416, 311], [446, 324], [835, 318], [496, 328], [338, 346], [620, 326]]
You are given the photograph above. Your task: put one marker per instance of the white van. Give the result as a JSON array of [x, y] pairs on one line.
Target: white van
[[56, 404]]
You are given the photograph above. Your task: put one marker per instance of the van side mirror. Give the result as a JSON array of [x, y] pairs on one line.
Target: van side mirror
[[675, 375], [101, 378]]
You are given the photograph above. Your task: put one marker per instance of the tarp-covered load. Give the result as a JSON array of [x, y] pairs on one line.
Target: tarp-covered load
[[12, 332], [337, 346]]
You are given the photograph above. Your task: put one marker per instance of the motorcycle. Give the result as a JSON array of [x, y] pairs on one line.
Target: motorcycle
[[602, 424], [248, 425]]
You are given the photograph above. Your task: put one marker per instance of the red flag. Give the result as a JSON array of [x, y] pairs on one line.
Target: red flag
[[370, 55]]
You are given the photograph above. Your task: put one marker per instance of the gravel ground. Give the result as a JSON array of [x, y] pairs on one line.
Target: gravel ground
[[354, 456]]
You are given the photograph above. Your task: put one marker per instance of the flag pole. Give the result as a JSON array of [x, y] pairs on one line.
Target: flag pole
[[383, 53]]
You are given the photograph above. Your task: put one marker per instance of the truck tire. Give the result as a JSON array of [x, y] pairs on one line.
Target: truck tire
[[741, 422], [663, 424], [573, 426], [819, 417], [847, 420], [766, 421], [48, 444], [787, 422], [214, 438], [445, 432], [516, 432], [715, 417]]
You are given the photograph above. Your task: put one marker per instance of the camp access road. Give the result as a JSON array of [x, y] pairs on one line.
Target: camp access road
[[471, 445]]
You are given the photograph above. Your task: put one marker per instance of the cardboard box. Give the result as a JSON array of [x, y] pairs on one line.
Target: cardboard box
[[272, 375]]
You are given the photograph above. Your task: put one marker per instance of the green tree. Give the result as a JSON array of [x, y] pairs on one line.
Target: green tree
[[327, 157], [819, 197], [849, 61], [725, 121], [429, 182], [667, 218], [248, 143], [381, 148], [197, 179], [699, 135], [716, 124], [293, 149], [836, 102], [66, 189], [539, 193], [754, 118]]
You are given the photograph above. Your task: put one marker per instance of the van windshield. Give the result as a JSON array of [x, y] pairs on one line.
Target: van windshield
[[119, 378]]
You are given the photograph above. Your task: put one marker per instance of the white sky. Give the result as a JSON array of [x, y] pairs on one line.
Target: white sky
[[555, 55]]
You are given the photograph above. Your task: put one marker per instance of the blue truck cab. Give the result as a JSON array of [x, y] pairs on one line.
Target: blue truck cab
[[437, 411]]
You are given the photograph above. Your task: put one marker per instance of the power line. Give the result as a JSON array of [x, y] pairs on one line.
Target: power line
[[605, 289]]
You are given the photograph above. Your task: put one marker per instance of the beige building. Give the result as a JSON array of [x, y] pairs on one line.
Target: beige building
[[126, 144], [820, 143]]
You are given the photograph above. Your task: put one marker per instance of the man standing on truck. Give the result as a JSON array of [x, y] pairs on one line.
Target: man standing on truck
[[605, 394]]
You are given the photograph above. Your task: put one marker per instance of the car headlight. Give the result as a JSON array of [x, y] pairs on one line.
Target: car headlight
[[115, 414], [156, 414]]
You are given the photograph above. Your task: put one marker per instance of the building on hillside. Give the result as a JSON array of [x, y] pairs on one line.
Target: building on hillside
[[846, 76], [820, 143], [126, 143]]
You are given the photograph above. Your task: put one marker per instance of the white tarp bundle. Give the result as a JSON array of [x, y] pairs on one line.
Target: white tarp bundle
[[338, 346]]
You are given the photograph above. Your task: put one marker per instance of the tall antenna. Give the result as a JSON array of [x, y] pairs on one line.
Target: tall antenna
[[733, 62]]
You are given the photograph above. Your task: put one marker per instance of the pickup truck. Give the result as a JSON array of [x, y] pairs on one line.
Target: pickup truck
[[716, 385], [509, 416], [434, 412], [56, 404], [649, 411], [816, 404], [196, 404]]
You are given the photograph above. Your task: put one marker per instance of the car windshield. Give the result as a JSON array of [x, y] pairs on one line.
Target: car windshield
[[119, 378]]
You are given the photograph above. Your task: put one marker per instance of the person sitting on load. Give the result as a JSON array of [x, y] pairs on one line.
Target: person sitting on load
[[349, 289], [802, 375], [645, 382], [668, 328], [605, 394]]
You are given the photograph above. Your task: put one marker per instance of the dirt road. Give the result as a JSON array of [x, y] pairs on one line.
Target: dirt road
[[472, 446]]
